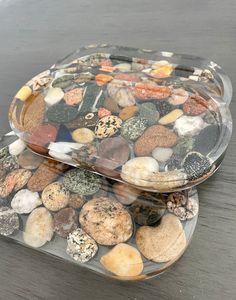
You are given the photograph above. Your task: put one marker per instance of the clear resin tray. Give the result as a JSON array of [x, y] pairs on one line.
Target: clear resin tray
[[157, 120], [106, 226]]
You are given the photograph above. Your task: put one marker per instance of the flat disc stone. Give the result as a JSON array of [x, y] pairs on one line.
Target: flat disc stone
[[61, 113]]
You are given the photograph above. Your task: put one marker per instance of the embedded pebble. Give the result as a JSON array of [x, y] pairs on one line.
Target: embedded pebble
[[195, 105], [127, 77], [63, 81], [63, 134], [65, 221], [128, 112], [122, 95], [147, 211], [138, 170], [64, 147], [45, 174], [163, 107], [41, 136], [196, 165], [164, 242], [123, 67], [189, 126], [207, 139], [80, 246], [54, 95], [9, 221], [149, 90], [82, 181], [149, 112], [102, 79], [133, 128], [154, 136], [125, 194], [103, 112], [115, 150], [55, 196], [76, 201], [24, 201], [89, 120], [9, 163], [93, 99], [24, 93], [83, 135], [171, 117], [183, 146], [162, 154], [61, 113], [16, 147], [106, 221], [74, 97], [111, 105], [162, 71], [86, 152], [183, 208], [28, 160], [178, 97], [14, 181], [174, 163], [123, 260], [38, 228], [107, 126]]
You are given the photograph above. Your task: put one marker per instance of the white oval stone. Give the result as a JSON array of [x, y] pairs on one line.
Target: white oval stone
[[54, 96], [16, 147], [162, 154], [38, 228], [124, 67], [25, 201], [189, 126]]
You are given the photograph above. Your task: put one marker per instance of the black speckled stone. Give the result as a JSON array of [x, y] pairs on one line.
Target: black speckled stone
[[163, 107]]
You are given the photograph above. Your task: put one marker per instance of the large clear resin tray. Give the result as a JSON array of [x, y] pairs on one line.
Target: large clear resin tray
[[157, 120], [108, 227]]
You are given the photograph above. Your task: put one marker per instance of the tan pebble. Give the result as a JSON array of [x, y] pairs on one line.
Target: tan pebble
[[111, 105], [76, 201], [162, 71], [55, 196], [128, 112], [171, 117], [123, 260], [107, 126], [74, 96], [125, 193], [24, 93], [178, 97], [162, 243], [83, 135], [38, 228]]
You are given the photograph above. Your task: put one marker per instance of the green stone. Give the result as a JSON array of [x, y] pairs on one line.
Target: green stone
[[133, 128]]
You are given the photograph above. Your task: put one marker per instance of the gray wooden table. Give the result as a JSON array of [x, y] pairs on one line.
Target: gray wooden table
[[33, 34]]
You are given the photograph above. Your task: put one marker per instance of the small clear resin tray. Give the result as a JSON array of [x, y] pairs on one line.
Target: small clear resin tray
[[157, 120], [106, 226]]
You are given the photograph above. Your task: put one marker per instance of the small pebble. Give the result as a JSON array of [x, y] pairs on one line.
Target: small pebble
[[89, 120], [189, 126], [133, 128], [103, 112], [38, 228], [76, 201], [183, 146], [61, 113], [149, 112], [63, 81], [9, 221], [80, 246], [102, 79], [162, 154], [123, 260], [106, 221], [149, 90], [54, 95], [111, 105], [162, 71], [195, 105], [24, 93], [16, 147], [28, 160], [171, 117], [65, 221], [207, 139], [178, 97], [123, 67], [82, 181], [74, 97], [24, 201], [174, 163], [83, 135], [126, 194], [107, 126], [163, 107], [128, 112], [55, 196]]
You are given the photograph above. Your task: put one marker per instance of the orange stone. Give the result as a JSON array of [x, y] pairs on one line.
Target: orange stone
[[102, 79], [149, 90], [128, 112], [74, 96], [162, 72]]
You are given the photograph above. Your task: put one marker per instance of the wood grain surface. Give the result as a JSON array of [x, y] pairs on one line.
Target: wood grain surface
[[33, 34]]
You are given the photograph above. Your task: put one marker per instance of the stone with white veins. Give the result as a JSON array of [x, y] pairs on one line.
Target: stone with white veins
[[162, 154], [54, 95], [25, 201], [16, 147], [189, 126]]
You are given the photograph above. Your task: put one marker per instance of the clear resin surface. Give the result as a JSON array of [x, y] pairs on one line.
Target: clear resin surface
[[156, 120], [100, 224]]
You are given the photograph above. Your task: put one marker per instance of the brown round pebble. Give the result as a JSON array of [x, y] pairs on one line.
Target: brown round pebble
[[195, 105], [106, 221], [76, 201], [125, 193], [65, 221], [55, 196], [154, 136], [128, 112], [28, 160]]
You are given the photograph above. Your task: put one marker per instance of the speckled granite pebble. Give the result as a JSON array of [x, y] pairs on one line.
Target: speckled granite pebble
[[9, 221], [55, 196], [133, 128]]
